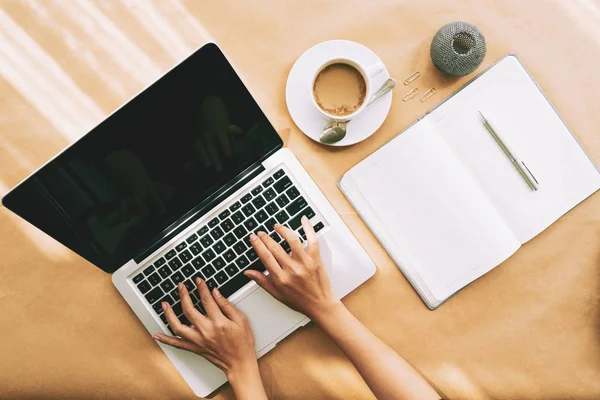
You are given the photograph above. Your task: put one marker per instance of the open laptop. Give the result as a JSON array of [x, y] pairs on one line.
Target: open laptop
[[170, 186]]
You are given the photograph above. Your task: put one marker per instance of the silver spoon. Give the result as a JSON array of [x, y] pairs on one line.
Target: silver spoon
[[336, 130]]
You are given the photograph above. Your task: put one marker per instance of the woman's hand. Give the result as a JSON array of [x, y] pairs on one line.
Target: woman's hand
[[222, 336], [300, 280]]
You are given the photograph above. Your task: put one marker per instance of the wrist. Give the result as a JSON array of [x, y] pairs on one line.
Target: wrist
[[243, 372], [326, 311]]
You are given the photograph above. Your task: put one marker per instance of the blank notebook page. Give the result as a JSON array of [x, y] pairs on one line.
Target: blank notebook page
[[428, 212]]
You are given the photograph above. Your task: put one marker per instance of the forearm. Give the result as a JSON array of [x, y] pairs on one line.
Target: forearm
[[387, 374], [247, 384]]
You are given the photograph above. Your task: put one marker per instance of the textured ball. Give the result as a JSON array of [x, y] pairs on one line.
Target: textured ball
[[458, 48]]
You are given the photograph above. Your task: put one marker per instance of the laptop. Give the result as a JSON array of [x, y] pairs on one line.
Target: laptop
[[170, 186]]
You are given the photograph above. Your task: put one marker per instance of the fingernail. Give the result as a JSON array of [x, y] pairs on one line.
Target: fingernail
[[216, 291], [277, 226], [304, 219], [164, 305], [155, 337], [198, 280], [253, 237], [261, 234], [180, 285]]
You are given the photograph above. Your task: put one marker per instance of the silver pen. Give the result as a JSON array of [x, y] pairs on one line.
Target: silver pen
[[518, 163]]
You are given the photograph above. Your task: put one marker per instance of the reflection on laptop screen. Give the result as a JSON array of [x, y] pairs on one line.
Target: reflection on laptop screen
[[153, 160]]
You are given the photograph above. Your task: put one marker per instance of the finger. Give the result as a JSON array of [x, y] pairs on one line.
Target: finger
[[261, 280], [227, 308], [283, 259], [265, 256], [293, 240], [211, 308], [178, 328], [187, 306], [311, 237], [177, 342]]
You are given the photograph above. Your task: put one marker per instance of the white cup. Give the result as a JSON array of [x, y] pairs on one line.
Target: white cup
[[367, 72]]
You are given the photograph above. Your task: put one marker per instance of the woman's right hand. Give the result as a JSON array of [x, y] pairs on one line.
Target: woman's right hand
[[300, 280]]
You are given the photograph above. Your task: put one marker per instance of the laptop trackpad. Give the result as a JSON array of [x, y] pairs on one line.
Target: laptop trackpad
[[269, 319]]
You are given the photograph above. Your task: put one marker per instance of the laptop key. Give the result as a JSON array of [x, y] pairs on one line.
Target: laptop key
[[282, 200], [202, 231], [242, 262], [211, 283], [164, 319], [213, 222], [256, 190], [189, 285], [231, 270], [138, 278], [239, 248], [275, 236], [183, 319], [164, 271], [269, 194], [196, 248], [177, 308], [296, 206], [221, 277], [154, 279], [259, 202], [167, 285], [208, 271], [261, 216], [191, 239], [260, 229], [248, 210], [181, 246], [188, 270], [219, 247], [270, 224], [250, 224], [217, 233], [229, 239], [158, 305], [177, 277], [234, 206], [149, 270], [286, 246], [175, 294], [227, 225], [170, 254], [229, 255], [279, 174], [268, 182], [206, 241], [175, 264], [296, 222], [224, 215], [154, 295], [209, 255], [240, 232], [238, 281], [318, 226], [292, 192], [185, 256], [161, 261], [282, 184], [143, 286], [251, 254], [198, 262], [238, 217], [218, 263], [281, 217], [246, 198]]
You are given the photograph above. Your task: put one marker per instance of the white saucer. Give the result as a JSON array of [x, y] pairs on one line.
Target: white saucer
[[298, 94]]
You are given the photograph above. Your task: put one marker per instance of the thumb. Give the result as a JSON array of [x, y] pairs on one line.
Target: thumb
[[226, 307], [261, 280]]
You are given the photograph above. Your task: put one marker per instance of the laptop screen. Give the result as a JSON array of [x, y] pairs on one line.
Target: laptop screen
[[123, 185]]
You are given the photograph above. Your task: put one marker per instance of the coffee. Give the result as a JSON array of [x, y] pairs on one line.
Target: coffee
[[339, 89]]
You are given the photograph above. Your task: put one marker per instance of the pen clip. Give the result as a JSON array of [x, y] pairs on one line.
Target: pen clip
[[528, 170]]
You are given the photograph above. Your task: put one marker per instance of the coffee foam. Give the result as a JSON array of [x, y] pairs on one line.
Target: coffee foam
[[339, 89]]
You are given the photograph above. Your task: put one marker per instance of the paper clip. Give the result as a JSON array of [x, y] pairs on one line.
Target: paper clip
[[410, 94], [412, 77], [427, 95]]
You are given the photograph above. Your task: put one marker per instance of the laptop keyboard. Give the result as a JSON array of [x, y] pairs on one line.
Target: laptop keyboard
[[219, 251]]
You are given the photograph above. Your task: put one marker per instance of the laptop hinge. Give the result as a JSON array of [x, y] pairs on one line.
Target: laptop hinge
[[202, 209]]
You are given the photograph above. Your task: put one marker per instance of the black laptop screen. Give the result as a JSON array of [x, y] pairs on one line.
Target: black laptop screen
[[123, 184]]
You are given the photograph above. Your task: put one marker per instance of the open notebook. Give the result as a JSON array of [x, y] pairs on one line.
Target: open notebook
[[445, 200]]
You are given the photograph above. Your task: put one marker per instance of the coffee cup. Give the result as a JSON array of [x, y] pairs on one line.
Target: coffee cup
[[341, 87]]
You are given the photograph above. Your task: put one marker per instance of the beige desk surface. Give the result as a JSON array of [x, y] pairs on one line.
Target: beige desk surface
[[528, 329]]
